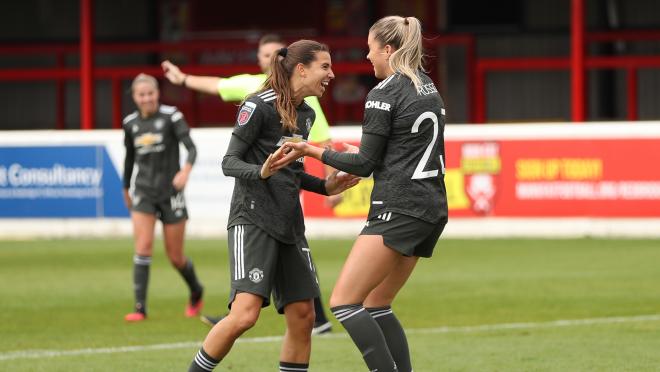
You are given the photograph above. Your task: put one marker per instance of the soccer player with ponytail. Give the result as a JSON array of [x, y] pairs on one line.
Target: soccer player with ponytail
[[266, 222], [403, 146]]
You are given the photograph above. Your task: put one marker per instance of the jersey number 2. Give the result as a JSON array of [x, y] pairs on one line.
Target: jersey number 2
[[419, 171]]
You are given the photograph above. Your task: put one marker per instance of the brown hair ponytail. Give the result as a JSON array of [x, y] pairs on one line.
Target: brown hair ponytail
[[282, 65]]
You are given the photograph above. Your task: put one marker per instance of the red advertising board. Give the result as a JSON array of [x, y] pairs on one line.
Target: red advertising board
[[584, 177]]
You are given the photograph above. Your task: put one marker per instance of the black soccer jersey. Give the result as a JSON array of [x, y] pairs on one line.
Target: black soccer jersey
[[272, 204], [409, 178], [152, 151]]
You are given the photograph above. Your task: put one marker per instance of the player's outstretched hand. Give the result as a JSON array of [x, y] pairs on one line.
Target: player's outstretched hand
[[287, 154], [172, 72], [338, 181], [351, 149]]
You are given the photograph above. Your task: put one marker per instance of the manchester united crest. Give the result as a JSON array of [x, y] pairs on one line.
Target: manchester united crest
[[256, 275]]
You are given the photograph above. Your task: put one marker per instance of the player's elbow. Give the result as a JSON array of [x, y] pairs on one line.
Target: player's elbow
[[224, 164]]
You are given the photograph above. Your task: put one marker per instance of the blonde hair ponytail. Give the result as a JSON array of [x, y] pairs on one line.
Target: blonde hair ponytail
[[404, 35]]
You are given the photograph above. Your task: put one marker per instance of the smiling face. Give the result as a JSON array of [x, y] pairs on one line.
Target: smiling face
[[265, 53], [379, 56], [317, 75], [145, 96]]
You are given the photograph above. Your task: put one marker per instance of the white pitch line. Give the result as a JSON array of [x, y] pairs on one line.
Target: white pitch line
[[551, 324], [39, 353]]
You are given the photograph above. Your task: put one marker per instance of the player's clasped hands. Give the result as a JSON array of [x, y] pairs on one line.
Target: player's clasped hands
[[289, 152], [270, 167]]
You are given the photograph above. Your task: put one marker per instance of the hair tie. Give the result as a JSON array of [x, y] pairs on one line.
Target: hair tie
[[283, 52], [405, 21]]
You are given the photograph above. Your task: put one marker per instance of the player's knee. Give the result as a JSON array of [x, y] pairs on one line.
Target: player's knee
[[306, 319], [379, 299], [144, 248], [301, 315], [178, 261], [336, 300], [243, 325], [245, 320], [303, 324]]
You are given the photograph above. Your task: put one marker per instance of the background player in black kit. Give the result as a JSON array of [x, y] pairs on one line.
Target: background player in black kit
[[403, 145], [153, 188], [265, 220]]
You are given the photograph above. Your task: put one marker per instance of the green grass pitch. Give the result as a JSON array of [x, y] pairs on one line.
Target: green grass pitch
[[477, 305]]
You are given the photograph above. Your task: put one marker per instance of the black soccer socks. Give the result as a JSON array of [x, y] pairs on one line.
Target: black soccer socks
[[188, 274], [395, 337], [141, 266], [293, 367], [367, 336], [203, 362]]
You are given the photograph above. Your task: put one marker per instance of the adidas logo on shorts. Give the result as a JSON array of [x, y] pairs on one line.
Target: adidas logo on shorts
[[385, 216]]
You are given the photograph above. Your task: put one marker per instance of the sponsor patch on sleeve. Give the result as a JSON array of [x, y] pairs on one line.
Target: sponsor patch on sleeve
[[245, 113]]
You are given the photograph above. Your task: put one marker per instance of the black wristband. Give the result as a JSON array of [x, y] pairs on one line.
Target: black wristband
[[183, 83]]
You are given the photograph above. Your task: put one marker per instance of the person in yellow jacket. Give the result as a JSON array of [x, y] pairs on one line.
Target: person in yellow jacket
[[235, 89]]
